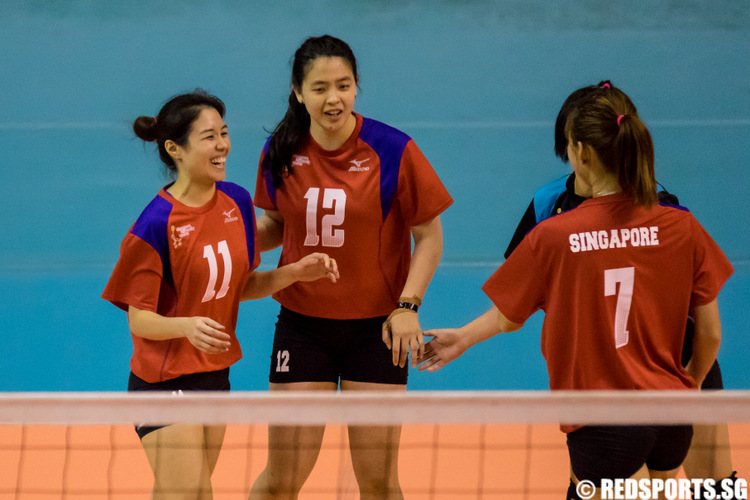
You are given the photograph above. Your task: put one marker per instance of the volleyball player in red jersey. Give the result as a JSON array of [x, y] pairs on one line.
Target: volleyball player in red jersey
[[184, 267], [617, 277], [331, 180], [710, 454]]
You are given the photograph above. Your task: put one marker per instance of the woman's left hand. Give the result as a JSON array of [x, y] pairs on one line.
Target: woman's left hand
[[314, 267], [401, 333]]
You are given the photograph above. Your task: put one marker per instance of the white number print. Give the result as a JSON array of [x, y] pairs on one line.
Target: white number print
[[625, 276], [282, 361], [213, 269], [332, 198]]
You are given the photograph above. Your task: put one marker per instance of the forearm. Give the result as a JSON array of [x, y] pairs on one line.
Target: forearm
[[486, 326], [706, 341], [153, 326], [428, 249], [264, 283]]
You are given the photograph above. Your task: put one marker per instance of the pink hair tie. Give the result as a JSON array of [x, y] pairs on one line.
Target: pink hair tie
[[618, 119], [154, 120], [605, 86]]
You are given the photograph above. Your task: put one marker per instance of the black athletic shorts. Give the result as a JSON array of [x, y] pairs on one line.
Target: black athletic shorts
[[205, 381], [713, 380], [610, 452], [311, 349]]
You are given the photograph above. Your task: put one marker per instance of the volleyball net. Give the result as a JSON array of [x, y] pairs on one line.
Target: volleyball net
[[454, 445]]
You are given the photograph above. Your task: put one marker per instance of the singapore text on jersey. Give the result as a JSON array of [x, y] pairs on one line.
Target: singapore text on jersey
[[614, 238]]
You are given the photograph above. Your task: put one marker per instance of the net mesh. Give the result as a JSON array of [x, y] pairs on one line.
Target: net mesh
[[453, 445]]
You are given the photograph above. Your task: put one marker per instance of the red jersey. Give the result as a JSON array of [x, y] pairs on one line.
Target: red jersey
[[357, 204], [179, 261], [616, 282]]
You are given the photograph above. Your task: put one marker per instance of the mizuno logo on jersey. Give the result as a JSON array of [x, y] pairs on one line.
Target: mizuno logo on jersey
[[230, 217], [299, 160], [357, 165]]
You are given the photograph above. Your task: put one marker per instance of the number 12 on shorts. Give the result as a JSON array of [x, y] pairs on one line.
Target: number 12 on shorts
[[625, 276], [282, 361]]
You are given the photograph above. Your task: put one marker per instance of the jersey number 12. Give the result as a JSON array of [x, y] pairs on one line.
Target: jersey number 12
[[332, 198]]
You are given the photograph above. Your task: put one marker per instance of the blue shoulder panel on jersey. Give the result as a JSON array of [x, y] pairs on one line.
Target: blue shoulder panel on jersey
[[389, 144], [151, 227], [546, 196], [266, 172], [244, 201]]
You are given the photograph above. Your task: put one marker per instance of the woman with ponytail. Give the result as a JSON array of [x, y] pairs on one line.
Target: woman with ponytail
[[710, 454], [184, 267], [617, 278], [332, 180]]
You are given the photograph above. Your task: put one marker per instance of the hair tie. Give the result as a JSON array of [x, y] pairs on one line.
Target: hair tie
[[606, 86], [154, 120], [618, 119]]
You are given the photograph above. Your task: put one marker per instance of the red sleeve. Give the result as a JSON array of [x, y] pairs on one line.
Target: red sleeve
[[515, 291], [137, 277], [421, 194], [712, 268]]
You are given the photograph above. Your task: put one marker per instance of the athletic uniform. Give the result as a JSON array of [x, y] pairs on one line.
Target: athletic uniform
[[176, 261], [559, 196], [357, 204], [616, 282]]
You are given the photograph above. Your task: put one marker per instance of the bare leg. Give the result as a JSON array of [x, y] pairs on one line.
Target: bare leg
[[183, 458], [292, 452], [374, 451], [709, 455]]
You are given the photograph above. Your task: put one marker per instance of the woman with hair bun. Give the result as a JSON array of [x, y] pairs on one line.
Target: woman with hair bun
[[184, 267]]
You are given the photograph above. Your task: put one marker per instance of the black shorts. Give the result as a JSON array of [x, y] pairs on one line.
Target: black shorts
[[311, 349], [205, 381], [603, 451], [713, 380]]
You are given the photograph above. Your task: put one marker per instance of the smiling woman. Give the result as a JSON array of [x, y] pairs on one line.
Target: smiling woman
[[184, 267], [328, 92], [332, 180], [202, 160]]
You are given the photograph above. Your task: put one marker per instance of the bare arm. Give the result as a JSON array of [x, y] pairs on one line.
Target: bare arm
[[706, 340], [204, 333], [270, 227], [402, 332], [309, 268], [449, 344]]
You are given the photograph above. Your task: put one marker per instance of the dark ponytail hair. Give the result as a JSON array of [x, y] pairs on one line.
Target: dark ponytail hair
[[293, 129], [580, 95], [175, 121], [609, 124]]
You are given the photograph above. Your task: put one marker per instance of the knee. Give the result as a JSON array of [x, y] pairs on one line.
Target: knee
[[384, 484], [276, 482]]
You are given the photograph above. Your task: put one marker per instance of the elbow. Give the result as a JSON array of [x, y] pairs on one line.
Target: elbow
[[507, 325]]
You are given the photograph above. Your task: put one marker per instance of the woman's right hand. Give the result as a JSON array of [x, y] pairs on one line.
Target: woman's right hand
[[206, 335]]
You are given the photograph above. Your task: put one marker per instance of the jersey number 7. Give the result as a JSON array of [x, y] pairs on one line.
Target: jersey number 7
[[625, 276]]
